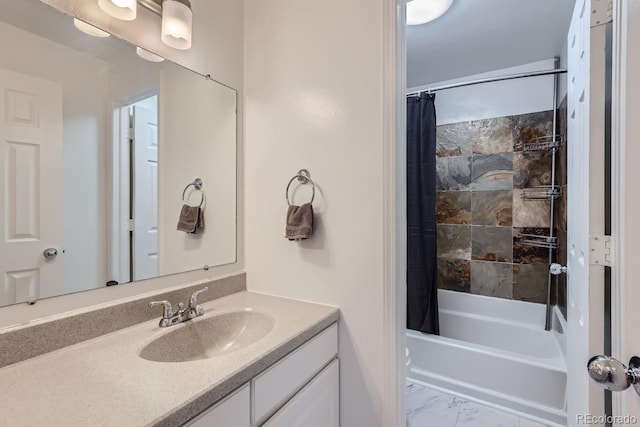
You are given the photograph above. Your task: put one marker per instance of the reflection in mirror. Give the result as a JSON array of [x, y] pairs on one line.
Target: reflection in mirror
[[98, 146]]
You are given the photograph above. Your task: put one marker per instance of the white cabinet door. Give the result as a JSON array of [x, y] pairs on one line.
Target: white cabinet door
[[233, 411], [276, 385], [316, 405]]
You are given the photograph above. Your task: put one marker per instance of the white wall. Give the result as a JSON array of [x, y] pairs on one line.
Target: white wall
[[83, 79], [496, 99], [217, 50], [314, 99]]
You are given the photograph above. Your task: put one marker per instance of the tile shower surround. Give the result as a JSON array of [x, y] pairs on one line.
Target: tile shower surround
[[481, 175]]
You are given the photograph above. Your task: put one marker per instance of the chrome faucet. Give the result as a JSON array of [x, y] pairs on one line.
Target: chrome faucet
[[169, 318]]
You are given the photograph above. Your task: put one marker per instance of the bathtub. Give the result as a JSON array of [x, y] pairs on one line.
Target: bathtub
[[494, 351]]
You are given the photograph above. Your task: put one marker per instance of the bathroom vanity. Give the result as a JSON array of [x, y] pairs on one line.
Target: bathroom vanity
[[286, 374]]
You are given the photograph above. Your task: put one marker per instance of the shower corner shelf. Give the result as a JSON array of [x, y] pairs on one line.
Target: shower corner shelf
[[542, 143], [539, 241], [545, 192]]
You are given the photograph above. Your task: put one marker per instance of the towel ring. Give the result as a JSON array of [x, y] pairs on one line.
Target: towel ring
[[304, 177], [197, 184]]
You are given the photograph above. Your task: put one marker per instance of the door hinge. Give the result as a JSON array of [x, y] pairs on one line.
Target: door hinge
[[600, 250], [130, 134], [131, 225], [601, 12]]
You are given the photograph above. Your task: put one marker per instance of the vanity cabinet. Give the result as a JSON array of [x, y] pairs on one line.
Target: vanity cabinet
[[301, 389], [233, 411], [316, 405]]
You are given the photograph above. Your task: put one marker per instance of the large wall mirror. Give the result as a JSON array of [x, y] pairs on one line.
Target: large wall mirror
[[100, 149]]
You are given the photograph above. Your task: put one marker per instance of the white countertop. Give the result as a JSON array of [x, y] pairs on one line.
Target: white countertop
[[103, 381]]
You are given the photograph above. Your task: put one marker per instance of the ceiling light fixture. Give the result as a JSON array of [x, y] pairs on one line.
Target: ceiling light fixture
[[148, 56], [89, 29], [422, 11], [125, 10]]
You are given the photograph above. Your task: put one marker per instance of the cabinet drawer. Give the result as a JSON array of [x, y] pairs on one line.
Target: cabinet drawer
[[316, 405], [231, 411], [274, 387]]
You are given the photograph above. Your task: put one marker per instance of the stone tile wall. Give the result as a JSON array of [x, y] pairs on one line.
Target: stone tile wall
[[481, 175]]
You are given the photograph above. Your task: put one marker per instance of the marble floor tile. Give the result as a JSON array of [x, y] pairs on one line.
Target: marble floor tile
[[430, 408], [528, 423], [474, 415]]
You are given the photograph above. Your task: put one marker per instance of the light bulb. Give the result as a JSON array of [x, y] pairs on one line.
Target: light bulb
[[423, 11], [125, 10], [89, 29], [148, 56]]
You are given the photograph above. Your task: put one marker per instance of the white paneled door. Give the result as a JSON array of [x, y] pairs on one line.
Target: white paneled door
[[145, 212], [586, 208], [30, 188]]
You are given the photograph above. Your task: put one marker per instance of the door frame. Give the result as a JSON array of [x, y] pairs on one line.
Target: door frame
[[394, 212], [394, 203], [624, 175], [119, 192], [119, 186]]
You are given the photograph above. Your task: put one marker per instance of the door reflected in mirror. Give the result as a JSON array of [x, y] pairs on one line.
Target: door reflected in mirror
[[98, 147]]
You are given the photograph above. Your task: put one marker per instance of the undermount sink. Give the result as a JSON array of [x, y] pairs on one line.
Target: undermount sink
[[207, 337]]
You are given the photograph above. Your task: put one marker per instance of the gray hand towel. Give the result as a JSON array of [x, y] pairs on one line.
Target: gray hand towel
[[299, 222], [200, 226], [191, 219]]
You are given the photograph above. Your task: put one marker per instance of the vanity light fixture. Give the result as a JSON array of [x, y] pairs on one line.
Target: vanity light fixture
[[89, 29], [422, 11], [177, 19], [148, 56], [125, 10]]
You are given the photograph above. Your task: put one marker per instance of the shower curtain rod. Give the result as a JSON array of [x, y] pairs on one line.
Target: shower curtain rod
[[491, 79]]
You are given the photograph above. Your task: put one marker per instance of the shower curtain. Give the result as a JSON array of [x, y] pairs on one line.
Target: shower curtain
[[422, 284]]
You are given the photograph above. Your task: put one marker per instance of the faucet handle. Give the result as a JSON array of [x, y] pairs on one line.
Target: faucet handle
[[193, 301], [168, 310]]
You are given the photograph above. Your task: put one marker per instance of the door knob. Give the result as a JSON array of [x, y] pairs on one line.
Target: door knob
[[611, 374], [50, 253]]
